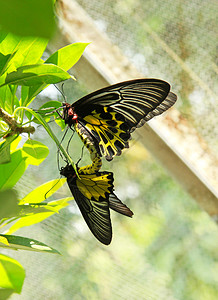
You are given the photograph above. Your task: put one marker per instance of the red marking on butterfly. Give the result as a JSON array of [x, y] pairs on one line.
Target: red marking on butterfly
[[72, 114]]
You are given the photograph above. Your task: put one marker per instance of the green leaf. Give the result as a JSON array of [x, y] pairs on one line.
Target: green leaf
[[21, 51], [36, 152], [35, 208], [5, 293], [5, 156], [12, 274], [60, 123], [36, 17], [24, 95], [48, 189], [29, 220], [67, 56], [47, 110], [23, 243], [36, 74], [15, 143], [8, 204], [4, 62], [9, 43], [7, 99], [64, 58], [11, 172], [50, 106], [3, 129], [29, 51], [12, 211], [29, 214]]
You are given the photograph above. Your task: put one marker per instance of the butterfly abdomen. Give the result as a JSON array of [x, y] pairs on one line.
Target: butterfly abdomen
[[88, 140], [93, 150], [93, 168]]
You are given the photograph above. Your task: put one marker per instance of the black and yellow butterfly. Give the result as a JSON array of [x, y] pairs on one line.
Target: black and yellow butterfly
[[94, 196], [105, 118]]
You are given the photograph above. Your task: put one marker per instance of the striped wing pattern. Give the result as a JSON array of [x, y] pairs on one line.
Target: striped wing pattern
[[96, 214], [109, 129], [91, 193], [105, 120], [118, 206], [112, 113], [94, 196]]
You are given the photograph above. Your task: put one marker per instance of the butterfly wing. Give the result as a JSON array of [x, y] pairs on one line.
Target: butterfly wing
[[112, 113], [94, 196], [118, 206], [91, 193], [108, 128]]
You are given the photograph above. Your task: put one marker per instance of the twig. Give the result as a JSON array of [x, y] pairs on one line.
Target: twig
[[13, 125]]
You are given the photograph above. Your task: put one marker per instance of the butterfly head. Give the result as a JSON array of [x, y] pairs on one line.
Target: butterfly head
[[68, 171], [69, 115]]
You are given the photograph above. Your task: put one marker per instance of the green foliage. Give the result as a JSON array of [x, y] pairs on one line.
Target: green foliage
[[8, 208], [20, 51], [66, 57], [32, 152], [12, 276], [11, 172], [22, 243], [38, 194], [35, 74], [36, 17], [36, 152], [21, 65], [31, 209], [5, 149], [18, 69]]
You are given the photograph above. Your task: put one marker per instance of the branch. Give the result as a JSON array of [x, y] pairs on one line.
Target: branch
[[13, 125]]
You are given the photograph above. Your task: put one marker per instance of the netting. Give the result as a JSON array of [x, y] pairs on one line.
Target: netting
[[173, 40], [168, 250]]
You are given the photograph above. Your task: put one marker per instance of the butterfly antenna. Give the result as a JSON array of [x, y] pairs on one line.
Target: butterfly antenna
[[70, 139], [59, 154], [51, 121], [45, 196], [61, 91], [81, 155]]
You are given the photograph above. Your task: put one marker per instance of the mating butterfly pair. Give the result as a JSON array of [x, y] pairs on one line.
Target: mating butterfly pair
[[105, 120]]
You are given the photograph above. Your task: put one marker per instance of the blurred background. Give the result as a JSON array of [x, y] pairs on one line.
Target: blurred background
[[168, 250]]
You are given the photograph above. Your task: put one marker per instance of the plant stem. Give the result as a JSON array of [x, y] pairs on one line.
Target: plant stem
[[50, 132], [13, 125]]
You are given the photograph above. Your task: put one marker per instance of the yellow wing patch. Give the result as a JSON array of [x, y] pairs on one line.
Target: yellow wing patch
[[112, 133], [93, 186]]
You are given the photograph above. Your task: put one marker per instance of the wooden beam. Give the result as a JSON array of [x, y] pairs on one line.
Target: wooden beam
[[180, 170]]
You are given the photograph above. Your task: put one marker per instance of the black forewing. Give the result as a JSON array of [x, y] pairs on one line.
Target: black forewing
[[111, 114], [133, 99], [96, 215], [92, 200]]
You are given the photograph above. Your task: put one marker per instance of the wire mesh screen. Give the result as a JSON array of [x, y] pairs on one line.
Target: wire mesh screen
[[168, 250], [173, 40]]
